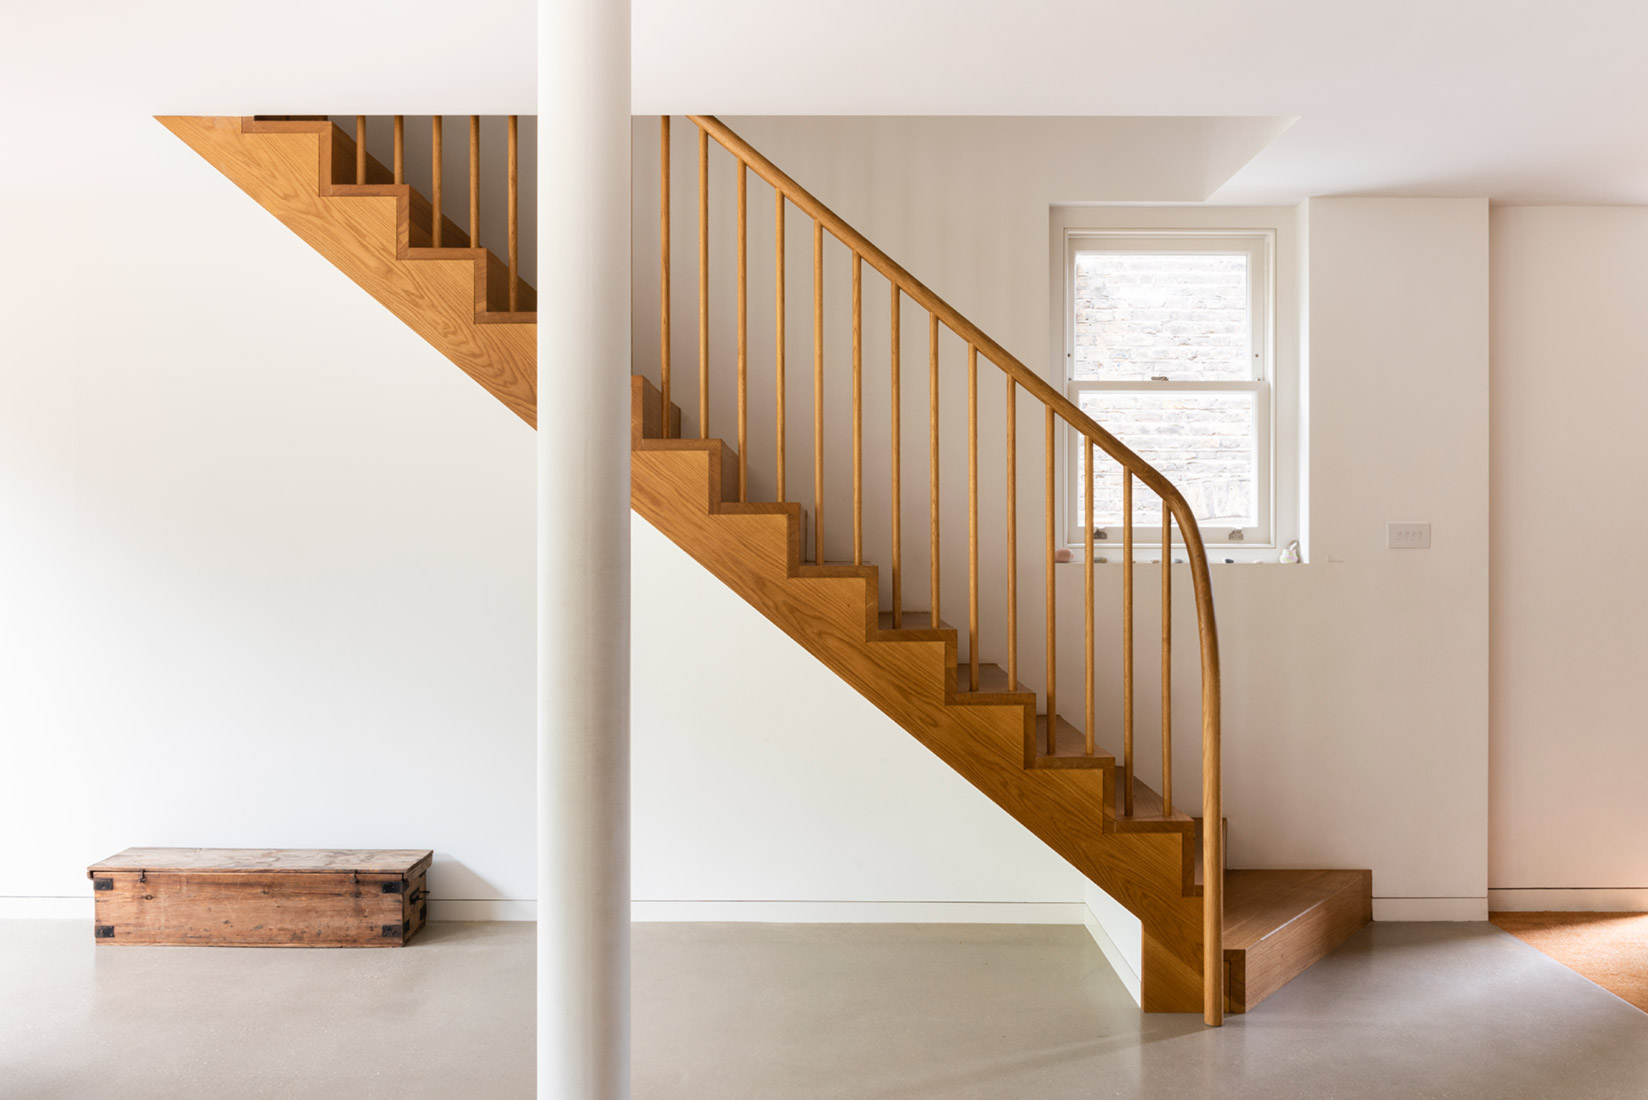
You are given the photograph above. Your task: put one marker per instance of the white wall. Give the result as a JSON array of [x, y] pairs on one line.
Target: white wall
[[268, 555], [1569, 638], [1368, 679], [766, 788]]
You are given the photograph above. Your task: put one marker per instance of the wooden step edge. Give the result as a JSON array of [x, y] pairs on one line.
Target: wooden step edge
[[504, 317], [837, 572], [916, 627], [759, 508], [994, 690], [251, 124], [1147, 816], [1070, 746], [416, 253], [1278, 923], [912, 620]]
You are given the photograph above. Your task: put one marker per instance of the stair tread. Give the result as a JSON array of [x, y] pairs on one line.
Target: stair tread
[[828, 570], [992, 681], [1280, 922], [1259, 903], [1070, 748], [911, 620]]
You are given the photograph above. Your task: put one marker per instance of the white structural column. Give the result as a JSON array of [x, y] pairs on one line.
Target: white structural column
[[583, 549]]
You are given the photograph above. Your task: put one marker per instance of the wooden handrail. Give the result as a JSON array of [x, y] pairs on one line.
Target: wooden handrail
[[1058, 407]]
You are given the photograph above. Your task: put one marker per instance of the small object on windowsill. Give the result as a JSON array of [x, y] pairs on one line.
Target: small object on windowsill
[[1230, 561], [1103, 561], [1290, 553], [1064, 553]]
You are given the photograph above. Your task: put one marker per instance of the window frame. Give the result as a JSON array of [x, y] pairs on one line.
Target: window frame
[[1260, 246]]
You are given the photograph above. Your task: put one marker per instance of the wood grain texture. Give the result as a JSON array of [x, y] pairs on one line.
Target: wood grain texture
[[513, 170], [895, 428], [369, 232], [261, 860], [664, 256], [249, 909], [260, 897], [1279, 922], [1012, 531]]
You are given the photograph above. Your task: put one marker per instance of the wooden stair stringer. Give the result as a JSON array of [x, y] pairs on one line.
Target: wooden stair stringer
[[831, 612], [368, 233]]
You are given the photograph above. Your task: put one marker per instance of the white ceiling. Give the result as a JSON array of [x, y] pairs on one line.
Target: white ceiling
[[1521, 101], [1517, 100]]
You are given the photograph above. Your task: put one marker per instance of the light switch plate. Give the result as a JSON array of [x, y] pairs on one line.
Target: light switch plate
[[1408, 536]]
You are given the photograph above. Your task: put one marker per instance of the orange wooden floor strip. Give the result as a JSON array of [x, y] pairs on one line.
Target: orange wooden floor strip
[[1611, 949]]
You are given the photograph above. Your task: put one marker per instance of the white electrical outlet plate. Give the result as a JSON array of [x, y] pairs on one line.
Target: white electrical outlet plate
[[1408, 536]]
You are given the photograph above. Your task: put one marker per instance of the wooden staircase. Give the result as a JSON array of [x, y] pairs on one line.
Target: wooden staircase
[[379, 233], [1271, 925], [1279, 922]]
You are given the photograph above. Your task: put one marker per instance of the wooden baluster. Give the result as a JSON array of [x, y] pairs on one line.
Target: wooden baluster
[[1213, 840], [474, 181], [1012, 537], [1127, 642], [818, 392], [435, 186], [858, 409], [1167, 662], [778, 322], [1092, 691], [360, 148], [663, 264], [514, 216], [932, 465], [1052, 652], [898, 519], [400, 148], [743, 334], [972, 520], [703, 284]]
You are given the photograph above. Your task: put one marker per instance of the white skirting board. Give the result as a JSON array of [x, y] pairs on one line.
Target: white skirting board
[[1112, 927], [1600, 899], [775, 912], [862, 912], [1430, 909], [482, 909]]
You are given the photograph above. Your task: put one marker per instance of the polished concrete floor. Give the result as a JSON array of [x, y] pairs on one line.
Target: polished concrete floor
[[726, 1012]]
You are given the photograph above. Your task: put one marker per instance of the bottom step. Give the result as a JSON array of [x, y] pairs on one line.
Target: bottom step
[[1277, 923]]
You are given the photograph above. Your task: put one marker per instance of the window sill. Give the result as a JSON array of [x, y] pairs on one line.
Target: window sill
[[1216, 555]]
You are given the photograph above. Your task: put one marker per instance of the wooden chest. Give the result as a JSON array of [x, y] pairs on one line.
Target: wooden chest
[[260, 897]]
